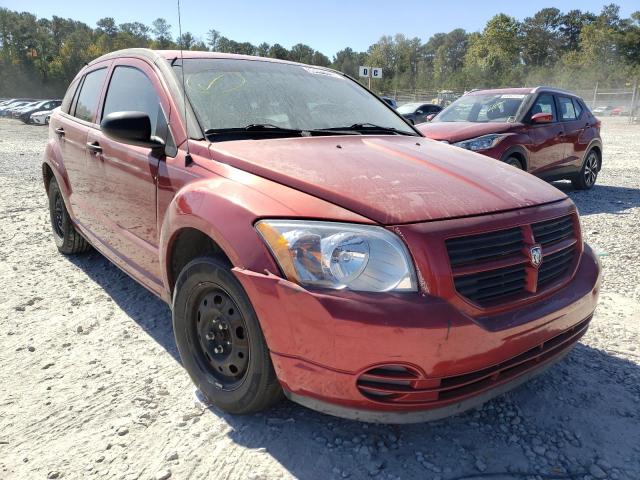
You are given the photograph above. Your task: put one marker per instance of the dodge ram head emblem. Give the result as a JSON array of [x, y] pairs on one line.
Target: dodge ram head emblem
[[535, 256]]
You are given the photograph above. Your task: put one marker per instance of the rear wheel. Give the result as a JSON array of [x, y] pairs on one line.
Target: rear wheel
[[220, 340], [514, 162], [67, 238], [588, 175]]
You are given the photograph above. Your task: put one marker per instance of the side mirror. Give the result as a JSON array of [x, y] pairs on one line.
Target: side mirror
[[541, 117], [431, 116], [132, 128]]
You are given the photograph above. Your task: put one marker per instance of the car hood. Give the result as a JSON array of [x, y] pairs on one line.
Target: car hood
[[458, 131], [389, 179]]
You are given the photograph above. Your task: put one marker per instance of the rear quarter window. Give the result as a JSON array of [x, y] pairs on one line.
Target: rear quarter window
[[68, 97]]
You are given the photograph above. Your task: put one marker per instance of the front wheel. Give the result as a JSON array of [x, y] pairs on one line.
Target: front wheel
[[588, 174], [220, 340], [514, 162]]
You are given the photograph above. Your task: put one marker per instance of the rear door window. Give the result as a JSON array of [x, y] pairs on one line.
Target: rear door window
[[87, 102], [567, 110]]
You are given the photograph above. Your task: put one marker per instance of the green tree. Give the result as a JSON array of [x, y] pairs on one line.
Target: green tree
[[493, 57], [541, 38], [301, 53], [213, 36], [278, 51], [162, 33]]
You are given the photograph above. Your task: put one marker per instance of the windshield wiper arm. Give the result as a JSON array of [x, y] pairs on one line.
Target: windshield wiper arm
[[268, 128], [252, 127], [372, 127]]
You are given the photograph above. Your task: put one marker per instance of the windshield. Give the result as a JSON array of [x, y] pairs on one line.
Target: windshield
[[234, 93], [488, 107], [408, 107]]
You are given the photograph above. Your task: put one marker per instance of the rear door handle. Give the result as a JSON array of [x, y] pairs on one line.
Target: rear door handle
[[60, 131], [94, 147]]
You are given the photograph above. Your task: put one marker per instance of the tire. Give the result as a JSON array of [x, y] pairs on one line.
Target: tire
[[67, 238], [586, 178], [220, 340], [514, 162]]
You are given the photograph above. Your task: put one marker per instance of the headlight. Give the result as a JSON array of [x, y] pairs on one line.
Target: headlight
[[480, 143], [339, 255]]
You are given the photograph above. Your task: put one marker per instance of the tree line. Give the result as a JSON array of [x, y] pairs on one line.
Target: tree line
[[39, 56]]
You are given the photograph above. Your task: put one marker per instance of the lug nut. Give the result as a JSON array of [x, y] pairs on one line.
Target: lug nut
[[210, 336], [218, 349], [223, 326]]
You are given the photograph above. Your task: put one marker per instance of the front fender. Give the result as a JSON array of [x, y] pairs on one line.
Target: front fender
[[225, 211]]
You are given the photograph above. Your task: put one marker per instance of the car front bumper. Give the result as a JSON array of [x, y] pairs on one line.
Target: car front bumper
[[323, 344]]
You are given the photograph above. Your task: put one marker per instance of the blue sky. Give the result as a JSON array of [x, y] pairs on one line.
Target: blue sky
[[328, 25]]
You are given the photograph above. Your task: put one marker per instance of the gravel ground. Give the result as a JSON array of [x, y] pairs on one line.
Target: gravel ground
[[91, 384]]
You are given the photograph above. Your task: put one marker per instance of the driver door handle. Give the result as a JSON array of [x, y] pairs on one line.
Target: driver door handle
[[94, 147], [60, 131]]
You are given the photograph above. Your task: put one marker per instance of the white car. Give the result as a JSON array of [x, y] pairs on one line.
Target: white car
[[42, 117]]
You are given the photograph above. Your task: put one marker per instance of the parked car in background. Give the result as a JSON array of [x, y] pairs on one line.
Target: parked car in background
[[390, 101], [309, 241], [602, 111], [619, 112], [24, 113], [418, 112], [548, 132], [5, 110], [42, 117], [16, 110]]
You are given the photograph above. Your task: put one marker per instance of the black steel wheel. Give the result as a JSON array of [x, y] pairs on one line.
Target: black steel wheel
[[220, 339], [588, 175], [67, 238], [219, 336]]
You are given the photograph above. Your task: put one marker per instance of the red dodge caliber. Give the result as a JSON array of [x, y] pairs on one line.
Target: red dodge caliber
[[311, 243]]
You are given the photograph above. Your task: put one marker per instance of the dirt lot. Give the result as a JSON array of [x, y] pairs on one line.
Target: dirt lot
[[91, 385]]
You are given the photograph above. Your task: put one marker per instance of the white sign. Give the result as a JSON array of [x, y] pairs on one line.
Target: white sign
[[365, 71], [370, 72]]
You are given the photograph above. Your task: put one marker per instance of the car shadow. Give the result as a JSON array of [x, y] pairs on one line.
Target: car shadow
[[568, 411], [143, 307], [601, 198], [581, 410]]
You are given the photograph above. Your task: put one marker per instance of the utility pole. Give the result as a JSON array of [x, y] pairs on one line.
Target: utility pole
[[634, 100]]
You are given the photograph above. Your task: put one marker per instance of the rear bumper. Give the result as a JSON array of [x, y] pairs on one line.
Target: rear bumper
[[321, 344]]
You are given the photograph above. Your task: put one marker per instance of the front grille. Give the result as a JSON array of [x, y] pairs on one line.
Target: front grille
[[552, 231], [492, 285], [484, 247], [495, 267], [555, 265], [397, 384]]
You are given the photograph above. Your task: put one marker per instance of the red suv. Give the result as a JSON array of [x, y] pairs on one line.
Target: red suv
[[310, 242], [548, 132]]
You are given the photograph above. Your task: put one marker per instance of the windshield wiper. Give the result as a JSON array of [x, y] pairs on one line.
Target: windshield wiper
[[252, 127], [268, 129], [371, 127]]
